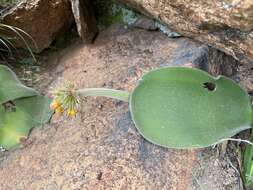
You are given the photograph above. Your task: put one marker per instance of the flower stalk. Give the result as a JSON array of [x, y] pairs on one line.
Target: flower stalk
[[105, 92], [67, 99]]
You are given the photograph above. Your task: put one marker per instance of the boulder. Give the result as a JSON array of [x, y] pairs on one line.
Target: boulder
[[41, 19], [226, 25], [85, 19], [100, 148]]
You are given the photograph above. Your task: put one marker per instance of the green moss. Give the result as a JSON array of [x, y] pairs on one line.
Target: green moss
[[103, 13]]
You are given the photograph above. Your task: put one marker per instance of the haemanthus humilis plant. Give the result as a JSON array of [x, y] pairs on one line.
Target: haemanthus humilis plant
[[178, 108], [21, 109]]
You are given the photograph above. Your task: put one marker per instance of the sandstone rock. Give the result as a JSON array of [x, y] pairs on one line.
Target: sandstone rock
[[85, 19], [42, 19], [225, 24], [100, 148]]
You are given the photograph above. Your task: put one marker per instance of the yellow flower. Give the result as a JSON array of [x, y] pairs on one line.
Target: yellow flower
[[72, 112], [55, 104], [59, 110]]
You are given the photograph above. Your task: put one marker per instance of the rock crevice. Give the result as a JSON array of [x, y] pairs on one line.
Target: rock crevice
[[226, 25]]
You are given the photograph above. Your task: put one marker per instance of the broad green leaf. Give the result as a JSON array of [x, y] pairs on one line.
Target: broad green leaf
[[11, 88], [37, 108], [16, 124], [174, 108]]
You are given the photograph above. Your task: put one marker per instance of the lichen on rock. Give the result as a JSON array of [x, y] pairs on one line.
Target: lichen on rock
[[109, 12]]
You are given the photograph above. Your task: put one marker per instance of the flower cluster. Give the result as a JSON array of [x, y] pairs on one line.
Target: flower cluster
[[65, 100]]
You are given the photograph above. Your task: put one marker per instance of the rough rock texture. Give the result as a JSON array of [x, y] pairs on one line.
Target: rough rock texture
[[145, 23], [42, 19], [225, 24], [85, 19], [100, 148]]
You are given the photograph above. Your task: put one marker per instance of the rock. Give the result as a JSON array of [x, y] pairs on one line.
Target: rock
[[227, 25], [166, 30], [42, 19], [100, 148], [85, 19], [145, 23]]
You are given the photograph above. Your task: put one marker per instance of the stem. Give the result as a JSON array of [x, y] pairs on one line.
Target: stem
[[105, 92]]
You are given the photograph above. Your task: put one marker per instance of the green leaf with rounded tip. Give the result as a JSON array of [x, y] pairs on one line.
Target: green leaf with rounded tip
[[14, 126], [37, 108], [11, 88], [188, 108], [26, 113]]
